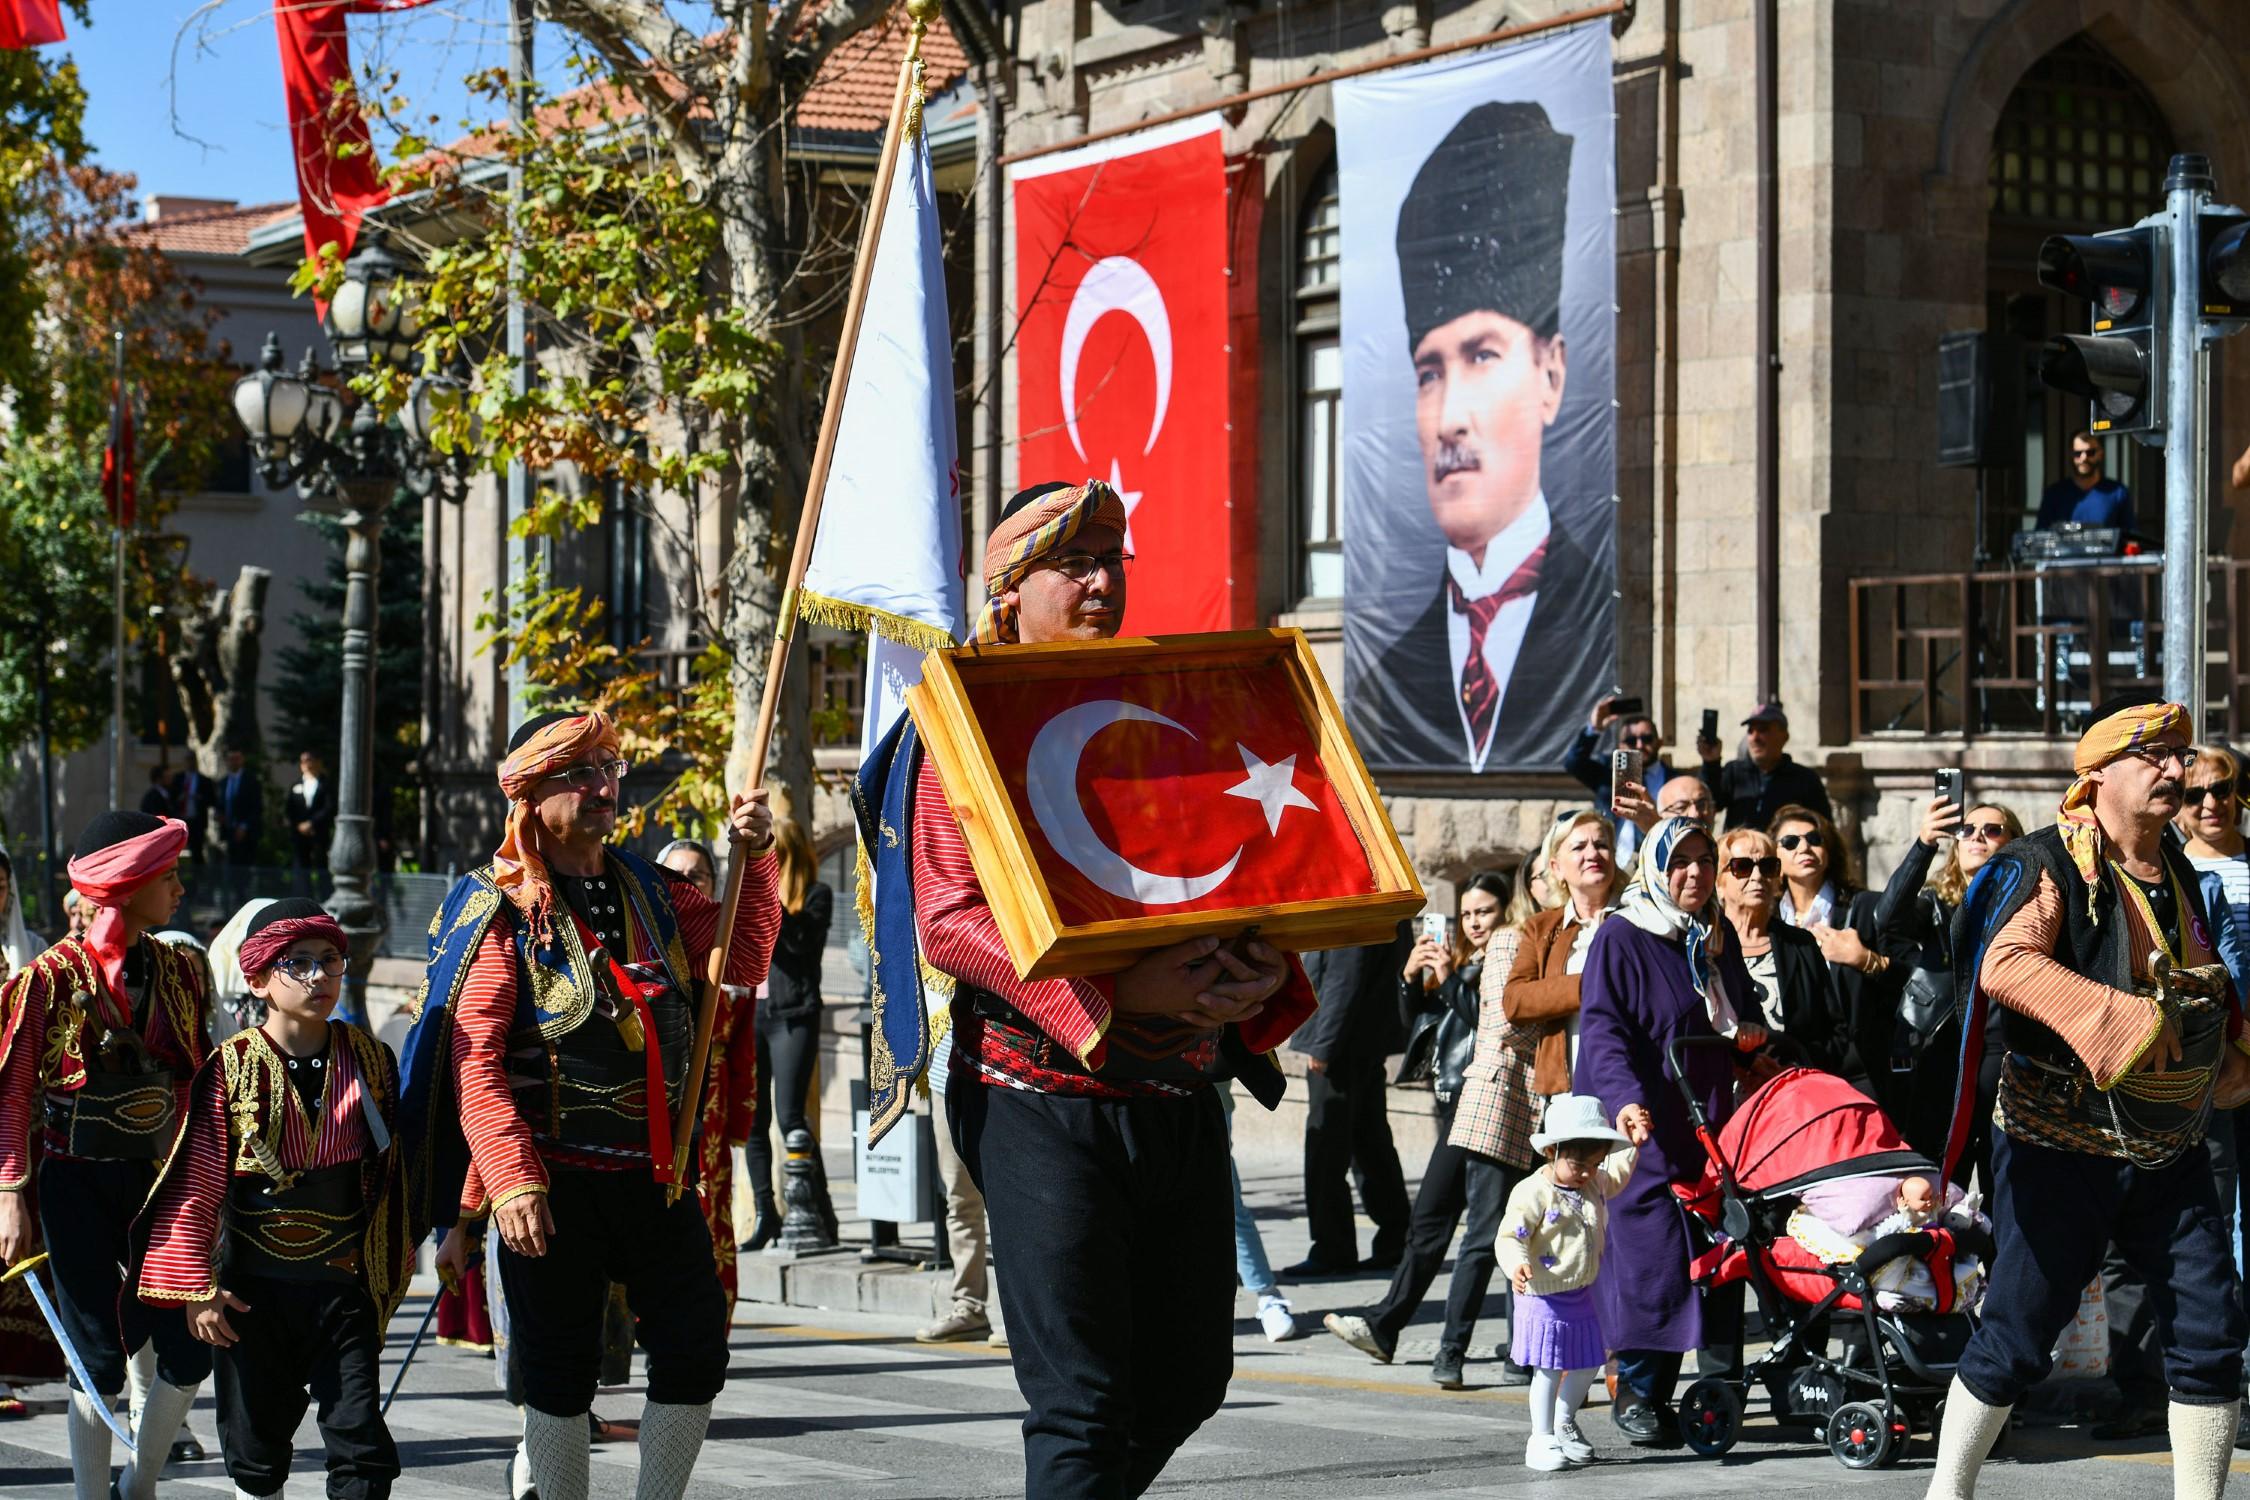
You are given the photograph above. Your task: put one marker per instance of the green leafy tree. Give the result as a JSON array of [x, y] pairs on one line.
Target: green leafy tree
[[311, 679]]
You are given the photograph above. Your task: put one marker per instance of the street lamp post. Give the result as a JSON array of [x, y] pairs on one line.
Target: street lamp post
[[353, 462]]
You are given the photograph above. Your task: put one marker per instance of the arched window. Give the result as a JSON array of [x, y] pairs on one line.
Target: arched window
[[1320, 390], [2079, 145]]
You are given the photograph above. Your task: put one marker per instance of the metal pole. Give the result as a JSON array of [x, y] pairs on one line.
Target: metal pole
[[518, 340], [117, 788], [49, 911], [351, 852], [1767, 377], [2187, 188]]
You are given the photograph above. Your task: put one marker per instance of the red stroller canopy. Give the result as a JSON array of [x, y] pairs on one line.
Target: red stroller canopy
[[1805, 1126]]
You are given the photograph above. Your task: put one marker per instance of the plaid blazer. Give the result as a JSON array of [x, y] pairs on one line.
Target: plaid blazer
[[1498, 1110]]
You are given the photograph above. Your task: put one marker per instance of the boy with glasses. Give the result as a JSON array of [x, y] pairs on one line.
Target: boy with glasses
[[278, 1226]]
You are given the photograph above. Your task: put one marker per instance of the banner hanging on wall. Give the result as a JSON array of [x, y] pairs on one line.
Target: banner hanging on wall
[[1121, 355], [1479, 428]]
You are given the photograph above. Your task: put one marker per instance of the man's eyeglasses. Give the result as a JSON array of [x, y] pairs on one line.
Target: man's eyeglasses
[[305, 970], [1081, 567], [1742, 867], [1645, 737], [1811, 838], [586, 778], [1991, 833], [2161, 756], [2221, 790]]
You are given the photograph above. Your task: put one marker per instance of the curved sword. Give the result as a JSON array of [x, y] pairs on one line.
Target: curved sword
[[77, 1365]]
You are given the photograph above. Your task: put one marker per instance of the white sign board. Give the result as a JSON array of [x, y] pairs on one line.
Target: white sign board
[[892, 1184]]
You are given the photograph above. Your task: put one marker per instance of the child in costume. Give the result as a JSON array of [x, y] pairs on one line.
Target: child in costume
[[1550, 1249], [286, 1159]]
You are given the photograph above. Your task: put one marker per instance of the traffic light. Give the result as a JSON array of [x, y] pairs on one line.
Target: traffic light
[[2225, 293], [2119, 365]]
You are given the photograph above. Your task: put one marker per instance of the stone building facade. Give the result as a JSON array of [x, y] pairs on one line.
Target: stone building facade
[[1920, 150]]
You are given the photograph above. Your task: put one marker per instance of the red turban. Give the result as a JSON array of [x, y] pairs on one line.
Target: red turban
[[110, 876]]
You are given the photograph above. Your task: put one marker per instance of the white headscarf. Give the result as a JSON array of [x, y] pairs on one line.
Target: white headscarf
[[1648, 905], [19, 942]]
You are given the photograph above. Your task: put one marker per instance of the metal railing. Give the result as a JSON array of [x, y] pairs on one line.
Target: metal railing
[[2028, 652]]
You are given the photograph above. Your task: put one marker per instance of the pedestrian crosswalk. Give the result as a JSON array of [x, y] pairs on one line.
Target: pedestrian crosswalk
[[852, 1406]]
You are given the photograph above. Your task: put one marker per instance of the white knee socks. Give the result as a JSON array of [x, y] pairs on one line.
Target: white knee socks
[[1575, 1385], [89, 1446], [2202, 1448], [671, 1438], [558, 1450], [1971, 1428], [1544, 1386], [164, 1407]]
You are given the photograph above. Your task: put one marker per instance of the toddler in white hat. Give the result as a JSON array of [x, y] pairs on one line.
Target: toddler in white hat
[[1551, 1250]]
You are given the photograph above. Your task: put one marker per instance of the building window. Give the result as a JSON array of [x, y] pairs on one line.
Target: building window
[[1319, 377], [625, 538], [2080, 144]]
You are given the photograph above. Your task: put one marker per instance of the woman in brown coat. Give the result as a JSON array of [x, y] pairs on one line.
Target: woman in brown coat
[[1542, 988]]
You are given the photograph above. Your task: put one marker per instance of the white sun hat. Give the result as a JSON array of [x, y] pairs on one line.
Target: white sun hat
[[1575, 1117]]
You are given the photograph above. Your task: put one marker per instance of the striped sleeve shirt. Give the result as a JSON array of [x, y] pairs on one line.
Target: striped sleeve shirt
[[506, 1161], [189, 1206]]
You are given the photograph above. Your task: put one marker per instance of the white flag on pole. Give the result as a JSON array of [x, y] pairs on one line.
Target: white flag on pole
[[887, 557]]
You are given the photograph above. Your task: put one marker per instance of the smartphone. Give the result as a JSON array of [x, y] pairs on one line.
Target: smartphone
[[1626, 708], [1437, 927], [1953, 786], [1624, 766], [1710, 724]]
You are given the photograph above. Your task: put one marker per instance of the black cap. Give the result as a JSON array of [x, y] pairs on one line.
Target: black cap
[[2140, 698], [113, 828], [1022, 498], [1482, 226], [283, 910], [1769, 712], [532, 726]]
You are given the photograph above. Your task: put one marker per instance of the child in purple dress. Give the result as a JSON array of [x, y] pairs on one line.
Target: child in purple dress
[[1551, 1250]]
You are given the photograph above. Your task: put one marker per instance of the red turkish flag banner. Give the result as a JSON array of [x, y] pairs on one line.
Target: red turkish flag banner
[[1123, 287], [338, 180], [30, 23], [1201, 789]]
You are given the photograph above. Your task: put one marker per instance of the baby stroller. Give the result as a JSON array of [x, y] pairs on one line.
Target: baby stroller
[[1800, 1128]]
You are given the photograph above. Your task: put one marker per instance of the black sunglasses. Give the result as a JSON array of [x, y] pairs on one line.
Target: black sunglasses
[[1742, 867], [2194, 795], [1792, 840], [1648, 738]]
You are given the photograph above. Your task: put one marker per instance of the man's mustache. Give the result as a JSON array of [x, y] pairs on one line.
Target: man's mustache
[[1453, 458], [2170, 786]]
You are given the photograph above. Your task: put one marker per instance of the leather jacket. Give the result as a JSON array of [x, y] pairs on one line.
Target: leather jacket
[[1443, 1029]]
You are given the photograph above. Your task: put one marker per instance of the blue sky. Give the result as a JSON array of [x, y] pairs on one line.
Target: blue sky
[[186, 94]]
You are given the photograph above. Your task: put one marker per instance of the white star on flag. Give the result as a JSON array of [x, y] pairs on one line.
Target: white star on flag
[[1273, 787], [1132, 499]]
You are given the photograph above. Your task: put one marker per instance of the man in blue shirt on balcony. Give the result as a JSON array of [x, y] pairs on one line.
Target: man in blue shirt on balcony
[[2085, 496]]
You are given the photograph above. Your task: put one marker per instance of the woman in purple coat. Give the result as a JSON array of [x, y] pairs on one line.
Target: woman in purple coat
[[1667, 969]]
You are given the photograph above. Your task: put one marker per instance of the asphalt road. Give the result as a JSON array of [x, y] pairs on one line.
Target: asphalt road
[[851, 1405]]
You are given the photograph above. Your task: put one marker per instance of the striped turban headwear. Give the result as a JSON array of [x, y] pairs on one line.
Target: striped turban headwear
[[1037, 523], [540, 748], [2126, 728]]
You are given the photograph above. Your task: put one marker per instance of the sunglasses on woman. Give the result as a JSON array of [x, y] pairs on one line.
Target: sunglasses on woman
[[1991, 833], [1742, 867], [1792, 840], [2222, 790]]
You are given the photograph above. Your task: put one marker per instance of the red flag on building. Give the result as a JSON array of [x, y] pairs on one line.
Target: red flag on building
[[337, 180], [120, 471], [30, 23], [1123, 370]]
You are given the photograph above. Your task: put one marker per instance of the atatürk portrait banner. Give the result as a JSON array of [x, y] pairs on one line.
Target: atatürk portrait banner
[[1479, 426]]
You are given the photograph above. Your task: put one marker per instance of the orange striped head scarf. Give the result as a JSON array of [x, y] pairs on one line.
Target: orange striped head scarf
[[1038, 521], [2132, 727], [541, 747]]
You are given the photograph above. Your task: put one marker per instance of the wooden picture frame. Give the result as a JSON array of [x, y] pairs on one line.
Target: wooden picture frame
[[1041, 943]]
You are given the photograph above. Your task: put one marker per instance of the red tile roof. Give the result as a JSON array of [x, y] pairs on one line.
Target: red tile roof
[[853, 91], [216, 231]]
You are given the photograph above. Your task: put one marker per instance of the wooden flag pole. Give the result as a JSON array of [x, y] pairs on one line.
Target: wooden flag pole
[[824, 453]]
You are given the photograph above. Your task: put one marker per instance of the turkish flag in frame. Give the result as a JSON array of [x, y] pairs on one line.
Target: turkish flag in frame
[[1120, 795]]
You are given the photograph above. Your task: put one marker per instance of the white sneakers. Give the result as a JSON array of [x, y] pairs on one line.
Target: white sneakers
[[1544, 1454], [1275, 1318], [1567, 1449]]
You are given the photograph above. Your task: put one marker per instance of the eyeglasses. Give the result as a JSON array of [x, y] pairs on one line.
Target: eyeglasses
[[1991, 833], [304, 969], [1811, 839], [2222, 791], [1081, 567], [2161, 756], [1742, 867], [586, 778], [1646, 737]]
